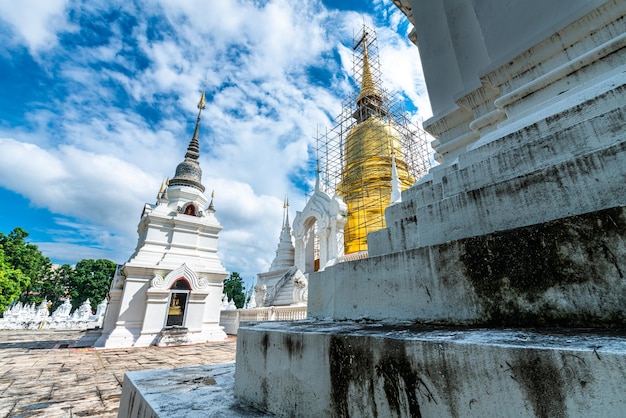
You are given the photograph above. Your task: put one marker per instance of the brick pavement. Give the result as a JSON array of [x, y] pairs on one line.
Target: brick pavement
[[42, 376]]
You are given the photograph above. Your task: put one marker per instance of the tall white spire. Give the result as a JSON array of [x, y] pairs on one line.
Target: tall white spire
[[317, 179], [396, 195], [189, 173], [285, 253]]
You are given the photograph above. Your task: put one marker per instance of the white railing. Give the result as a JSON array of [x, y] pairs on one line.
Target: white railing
[[230, 319], [353, 256]]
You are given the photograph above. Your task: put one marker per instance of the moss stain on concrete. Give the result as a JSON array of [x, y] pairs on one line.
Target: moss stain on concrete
[[521, 264]]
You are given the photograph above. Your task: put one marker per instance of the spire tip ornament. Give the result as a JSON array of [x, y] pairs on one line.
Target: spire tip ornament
[[286, 212], [201, 104], [368, 86], [211, 207], [189, 173]]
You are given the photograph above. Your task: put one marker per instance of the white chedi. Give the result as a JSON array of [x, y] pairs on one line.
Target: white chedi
[[252, 302], [227, 305], [83, 312], [42, 310], [63, 311], [21, 316], [102, 306], [224, 304]]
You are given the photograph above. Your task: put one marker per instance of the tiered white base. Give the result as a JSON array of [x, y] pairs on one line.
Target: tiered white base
[[133, 337]]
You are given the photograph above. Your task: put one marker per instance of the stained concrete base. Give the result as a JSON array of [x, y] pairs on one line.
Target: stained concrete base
[[340, 369], [203, 391]]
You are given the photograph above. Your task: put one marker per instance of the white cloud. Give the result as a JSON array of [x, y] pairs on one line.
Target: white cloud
[[402, 72], [129, 109], [35, 22], [94, 188]]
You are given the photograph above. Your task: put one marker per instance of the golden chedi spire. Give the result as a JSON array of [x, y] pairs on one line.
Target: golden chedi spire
[[370, 148], [368, 87]]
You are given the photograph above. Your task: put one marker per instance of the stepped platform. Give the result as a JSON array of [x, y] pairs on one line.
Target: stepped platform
[[202, 391], [376, 369]]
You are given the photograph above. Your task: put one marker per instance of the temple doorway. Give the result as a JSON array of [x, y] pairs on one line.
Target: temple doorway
[[312, 246], [177, 306]]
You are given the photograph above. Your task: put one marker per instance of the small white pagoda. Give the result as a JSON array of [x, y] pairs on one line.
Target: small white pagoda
[[169, 291], [318, 235]]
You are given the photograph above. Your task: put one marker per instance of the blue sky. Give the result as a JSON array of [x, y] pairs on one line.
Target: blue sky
[[97, 106]]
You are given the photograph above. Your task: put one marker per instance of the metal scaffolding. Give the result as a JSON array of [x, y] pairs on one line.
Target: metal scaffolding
[[330, 144]]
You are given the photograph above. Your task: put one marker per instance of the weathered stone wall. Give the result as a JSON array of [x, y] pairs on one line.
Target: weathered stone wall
[[356, 370], [569, 271]]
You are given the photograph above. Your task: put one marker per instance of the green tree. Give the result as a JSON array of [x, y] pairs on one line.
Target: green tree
[[91, 280], [234, 289], [55, 287], [12, 282], [26, 258]]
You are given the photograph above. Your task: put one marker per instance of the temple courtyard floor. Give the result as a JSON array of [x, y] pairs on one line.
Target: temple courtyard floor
[[46, 374]]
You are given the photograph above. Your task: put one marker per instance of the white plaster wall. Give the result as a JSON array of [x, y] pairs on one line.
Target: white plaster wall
[[439, 61], [458, 39], [195, 315], [229, 321], [156, 312], [123, 323], [213, 299], [401, 286], [133, 303], [514, 25], [113, 303]]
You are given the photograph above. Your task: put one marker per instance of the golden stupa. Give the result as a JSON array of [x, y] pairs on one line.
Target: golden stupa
[[366, 176]]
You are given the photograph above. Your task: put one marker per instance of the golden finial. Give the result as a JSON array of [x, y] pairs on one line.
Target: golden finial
[[162, 189], [201, 104], [211, 207], [193, 150], [285, 212]]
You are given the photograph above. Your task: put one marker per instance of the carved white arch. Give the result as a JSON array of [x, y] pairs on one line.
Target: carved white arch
[[317, 207], [183, 271], [330, 215]]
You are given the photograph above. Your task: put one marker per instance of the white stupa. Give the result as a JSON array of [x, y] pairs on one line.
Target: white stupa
[[172, 284], [318, 235]]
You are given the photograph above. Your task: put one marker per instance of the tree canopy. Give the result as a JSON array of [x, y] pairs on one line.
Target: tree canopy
[[28, 260], [234, 289], [25, 273], [12, 282], [54, 289], [91, 280]]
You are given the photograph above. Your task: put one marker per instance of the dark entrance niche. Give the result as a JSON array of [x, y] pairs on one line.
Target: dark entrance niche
[[190, 210], [177, 304]]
